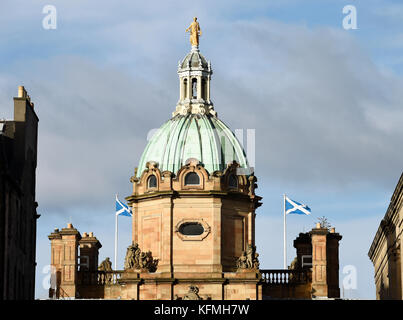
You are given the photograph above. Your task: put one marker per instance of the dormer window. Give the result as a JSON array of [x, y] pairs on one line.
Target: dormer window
[[192, 179], [232, 181], [152, 182]]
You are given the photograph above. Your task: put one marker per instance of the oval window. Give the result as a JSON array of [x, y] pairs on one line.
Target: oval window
[[152, 182], [192, 178], [191, 229]]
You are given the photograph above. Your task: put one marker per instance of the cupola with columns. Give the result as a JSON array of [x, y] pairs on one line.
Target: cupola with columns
[[194, 90]]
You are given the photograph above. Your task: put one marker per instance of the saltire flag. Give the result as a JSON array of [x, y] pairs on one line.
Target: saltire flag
[[122, 209], [294, 207]]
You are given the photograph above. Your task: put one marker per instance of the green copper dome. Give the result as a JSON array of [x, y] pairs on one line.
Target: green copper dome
[[203, 137]]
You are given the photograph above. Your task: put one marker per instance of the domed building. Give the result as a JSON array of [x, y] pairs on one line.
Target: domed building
[[193, 206], [193, 199]]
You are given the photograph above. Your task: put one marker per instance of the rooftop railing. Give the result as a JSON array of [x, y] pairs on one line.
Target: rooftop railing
[[99, 277], [282, 276]]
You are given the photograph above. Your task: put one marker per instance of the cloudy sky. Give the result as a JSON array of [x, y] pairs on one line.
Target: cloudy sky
[[325, 104]]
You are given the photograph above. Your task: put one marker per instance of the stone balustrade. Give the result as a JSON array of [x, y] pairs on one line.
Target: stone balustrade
[[282, 276], [99, 277]]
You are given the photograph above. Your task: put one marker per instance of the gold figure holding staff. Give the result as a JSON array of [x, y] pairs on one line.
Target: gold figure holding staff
[[195, 32]]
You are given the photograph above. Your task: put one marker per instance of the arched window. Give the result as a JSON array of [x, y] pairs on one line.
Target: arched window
[[192, 178], [185, 88], [194, 88], [152, 181], [203, 88], [232, 181]]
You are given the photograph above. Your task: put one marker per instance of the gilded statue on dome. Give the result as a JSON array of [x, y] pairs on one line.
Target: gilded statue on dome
[[195, 32]]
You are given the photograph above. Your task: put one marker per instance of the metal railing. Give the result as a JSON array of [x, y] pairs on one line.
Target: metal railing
[[99, 277], [282, 276]]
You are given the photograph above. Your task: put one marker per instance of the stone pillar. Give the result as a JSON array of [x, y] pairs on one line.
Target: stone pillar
[[303, 246], [319, 261], [332, 253], [189, 88], [208, 89], [199, 87], [89, 250], [325, 262], [64, 261], [216, 233]]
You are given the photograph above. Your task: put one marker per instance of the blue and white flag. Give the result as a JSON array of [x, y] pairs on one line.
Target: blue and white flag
[[294, 207], [122, 209]]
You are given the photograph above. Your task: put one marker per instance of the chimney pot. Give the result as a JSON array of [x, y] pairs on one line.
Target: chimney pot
[[91, 234], [70, 226], [318, 225], [21, 92]]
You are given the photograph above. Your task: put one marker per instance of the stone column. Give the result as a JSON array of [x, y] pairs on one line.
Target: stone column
[[64, 259], [208, 88], [332, 252], [216, 233], [319, 262], [189, 87], [165, 263], [325, 262], [199, 87], [135, 221], [181, 87]]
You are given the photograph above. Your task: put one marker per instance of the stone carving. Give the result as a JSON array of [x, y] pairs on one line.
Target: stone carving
[[252, 185], [105, 265], [193, 294], [248, 259], [294, 264], [136, 259]]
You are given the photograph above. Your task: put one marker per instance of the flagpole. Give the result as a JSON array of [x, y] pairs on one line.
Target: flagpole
[[285, 238], [116, 239]]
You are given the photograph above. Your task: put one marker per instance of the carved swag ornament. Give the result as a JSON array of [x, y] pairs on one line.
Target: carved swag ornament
[[136, 259], [248, 259]]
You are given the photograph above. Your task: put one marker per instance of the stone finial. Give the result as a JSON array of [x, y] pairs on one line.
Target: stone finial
[[152, 165], [192, 162]]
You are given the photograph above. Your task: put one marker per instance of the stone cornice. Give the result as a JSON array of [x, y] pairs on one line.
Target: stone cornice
[[395, 205], [186, 193]]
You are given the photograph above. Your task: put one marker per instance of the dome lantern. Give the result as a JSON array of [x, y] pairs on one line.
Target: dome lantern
[[194, 80]]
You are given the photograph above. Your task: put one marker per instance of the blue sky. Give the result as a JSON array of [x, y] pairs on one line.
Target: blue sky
[[325, 104]]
